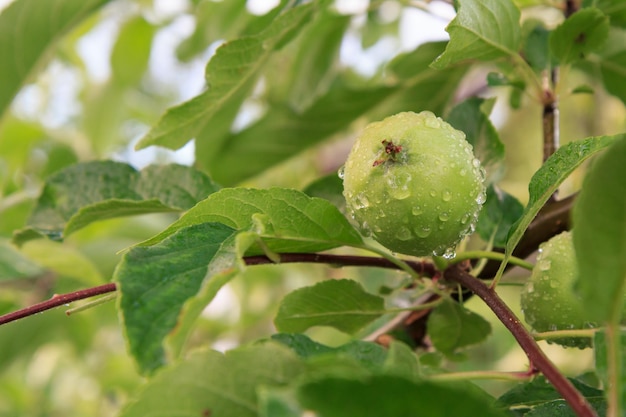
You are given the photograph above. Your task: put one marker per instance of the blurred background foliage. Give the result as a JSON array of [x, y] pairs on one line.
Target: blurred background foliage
[[112, 76]]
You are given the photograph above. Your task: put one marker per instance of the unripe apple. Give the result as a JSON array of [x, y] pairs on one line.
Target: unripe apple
[[548, 299], [414, 184]]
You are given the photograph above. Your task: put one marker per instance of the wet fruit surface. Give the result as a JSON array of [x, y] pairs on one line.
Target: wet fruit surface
[[548, 300], [412, 182]]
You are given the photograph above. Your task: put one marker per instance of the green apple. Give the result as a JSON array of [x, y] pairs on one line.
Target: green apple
[[548, 299], [412, 182]]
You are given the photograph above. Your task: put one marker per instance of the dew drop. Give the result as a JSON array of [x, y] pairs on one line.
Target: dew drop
[[444, 216], [554, 283], [476, 163], [544, 264], [463, 172], [423, 231], [403, 233], [361, 201], [465, 218], [417, 210], [432, 122], [341, 173], [480, 199], [446, 195], [433, 193]]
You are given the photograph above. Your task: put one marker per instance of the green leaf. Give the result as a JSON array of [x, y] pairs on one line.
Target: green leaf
[[88, 192], [386, 395], [155, 283], [600, 234], [402, 361], [286, 220], [315, 62], [560, 408], [602, 366], [342, 304], [230, 74], [549, 177], [131, 52], [614, 9], [537, 45], [210, 383], [368, 355], [500, 211], [613, 63], [470, 118], [540, 391], [484, 30], [451, 326], [234, 157], [63, 260], [14, 265], [583, 32], [29, 29], [329, 187]]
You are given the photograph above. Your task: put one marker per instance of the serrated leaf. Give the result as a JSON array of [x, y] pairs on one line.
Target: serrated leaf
[[88, 192], [600, 234], [212, 383], [155, 283], [28, 30], [484, 30], [342, 304], [469, 117], [385, 395], [230, 74], [549, 177], [500, 211], [286, 220], [451, 326], [583, 32]]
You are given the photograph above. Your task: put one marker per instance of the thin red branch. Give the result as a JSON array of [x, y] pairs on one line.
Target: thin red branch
[[537, 358], [57, 300]]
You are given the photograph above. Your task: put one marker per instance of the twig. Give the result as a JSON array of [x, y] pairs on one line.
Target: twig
[[56, 301], [537, 358]]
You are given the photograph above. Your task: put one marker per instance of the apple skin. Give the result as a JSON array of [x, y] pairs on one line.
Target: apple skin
[[548, 299], [412, 182]]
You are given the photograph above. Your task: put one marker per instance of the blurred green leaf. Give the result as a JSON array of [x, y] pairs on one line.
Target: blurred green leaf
[[537, 45], [88, 192], [29, 29], [470, 118], [600, 234], [614, 9], [386, 395], [14, 265], [342, 304], [131, 52], [483, 30], [286, 220], [316, 59], [402, 361], [210, 383], [550, 176], [583, 32], [602, 366], [156, 281], [500, 211], [613, 63], [451, 326], [329, 187], [231, 72]]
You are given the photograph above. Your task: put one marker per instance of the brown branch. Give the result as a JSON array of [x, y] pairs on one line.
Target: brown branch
[[537, 358], [57, 300]]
